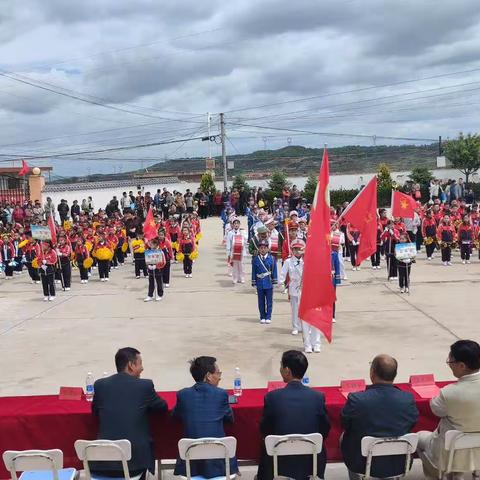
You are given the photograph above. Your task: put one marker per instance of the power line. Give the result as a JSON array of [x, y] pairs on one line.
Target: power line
[[357, 90]]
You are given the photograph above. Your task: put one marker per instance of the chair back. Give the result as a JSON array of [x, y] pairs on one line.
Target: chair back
[[27, 460], [294, 444], [206, 449], [456, 440], [104, 451], [381, 447]]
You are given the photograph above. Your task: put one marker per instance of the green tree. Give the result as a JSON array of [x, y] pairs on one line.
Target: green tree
[[384, 177], [310, 187], [421, 175], [207, 185], [464, 154], [278, 181], [240, 181]]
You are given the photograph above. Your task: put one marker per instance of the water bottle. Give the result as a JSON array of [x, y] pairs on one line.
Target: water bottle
[[305, 381], [237, 383], [89, 387]]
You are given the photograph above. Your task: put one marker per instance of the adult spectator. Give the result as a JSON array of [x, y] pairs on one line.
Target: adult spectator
[[75, 210], [460, 188], [434, 189], [188, 201], [91, 206], [203, 409], [157, 199], [38, 212], [85, 208], [293, 409], [63, 211], [294, 198], [242, 201], [217, 202], [122, 403], [18, 214], [457, 406], [49, 208], [125, 202], [382, 410]]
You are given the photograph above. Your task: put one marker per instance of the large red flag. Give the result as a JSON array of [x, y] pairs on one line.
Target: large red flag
[[403, 205], [24, 170], [149, 227], [53, 230], [362, 214], [318, 294]]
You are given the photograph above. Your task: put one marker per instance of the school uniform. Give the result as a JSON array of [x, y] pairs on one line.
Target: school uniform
[[264, 277]]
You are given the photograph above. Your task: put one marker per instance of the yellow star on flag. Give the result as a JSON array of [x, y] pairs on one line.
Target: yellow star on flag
[[403, 204]]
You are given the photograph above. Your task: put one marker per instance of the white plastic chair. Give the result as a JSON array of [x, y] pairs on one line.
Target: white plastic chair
[[294, 444], [456, 440], [37, 465], [206, 449], [381, 447], [105, 451]]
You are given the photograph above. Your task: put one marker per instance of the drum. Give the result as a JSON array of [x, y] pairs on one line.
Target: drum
[[237, 248], [274, 246]]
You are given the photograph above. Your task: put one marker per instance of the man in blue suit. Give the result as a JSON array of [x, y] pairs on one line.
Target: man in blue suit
[[203, 409], [293, 409], [264, 277], [382, 410]]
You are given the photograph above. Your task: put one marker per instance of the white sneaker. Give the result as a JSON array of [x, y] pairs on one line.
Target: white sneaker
[[429, 258], [158, 299], [267, 320], [37, 281], [445, 264], [295, 332], [51, 299], [107, 279], [402, 290], [189, 275], [358, 268], [186, 275], [308, 350], [148, 299], [115, 268], [468, 262], [242, 280], [464, 262], [57, 282], [333, 320], [67, 289], [285, 291], [407, 290], [262, 321], [167, 285], [102, 279], [317, 349], [45, 299], [449, 263], [137, 277]]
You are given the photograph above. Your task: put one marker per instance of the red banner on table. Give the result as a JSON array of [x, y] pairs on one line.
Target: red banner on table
[[70, 393], [424, 385], [352, 386]]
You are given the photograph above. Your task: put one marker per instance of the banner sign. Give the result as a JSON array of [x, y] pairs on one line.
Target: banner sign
[[404, 251], [152, 257], [41, 233]]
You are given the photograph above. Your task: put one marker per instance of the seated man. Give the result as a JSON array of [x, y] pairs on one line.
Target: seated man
[[458, 406], [293, 409], [122, 403], [382, 410], [203, 409]]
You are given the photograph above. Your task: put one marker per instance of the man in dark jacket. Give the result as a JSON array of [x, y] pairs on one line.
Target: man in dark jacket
[[122, 403], [293, 409], [382, 410], [203, 409]]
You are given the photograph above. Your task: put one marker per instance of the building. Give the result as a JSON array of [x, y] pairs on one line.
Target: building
[[18, 189]]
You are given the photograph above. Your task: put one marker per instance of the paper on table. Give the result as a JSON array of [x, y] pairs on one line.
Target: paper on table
[[70, 393], [351, 386], [275, 385], [424, 385]]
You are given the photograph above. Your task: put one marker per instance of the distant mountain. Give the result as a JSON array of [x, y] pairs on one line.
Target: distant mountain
[[295, 160]]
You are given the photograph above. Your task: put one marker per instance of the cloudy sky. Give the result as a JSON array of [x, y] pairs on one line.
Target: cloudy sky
[[78, 77]]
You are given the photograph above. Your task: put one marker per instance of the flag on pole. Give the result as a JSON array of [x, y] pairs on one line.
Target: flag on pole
[[403, 205], [362, 214], [318, 293], [53, 230], [149, 227], [24, 170]]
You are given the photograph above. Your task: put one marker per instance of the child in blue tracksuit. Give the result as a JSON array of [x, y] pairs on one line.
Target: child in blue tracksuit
[[264, 277]]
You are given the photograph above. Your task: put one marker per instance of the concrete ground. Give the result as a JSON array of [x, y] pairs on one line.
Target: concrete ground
[[57, 343], [45, 345]]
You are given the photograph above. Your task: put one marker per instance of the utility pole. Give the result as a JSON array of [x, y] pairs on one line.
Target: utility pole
[[224, 151], [209, 122]]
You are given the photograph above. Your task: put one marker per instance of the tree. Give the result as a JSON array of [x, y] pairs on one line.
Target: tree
[[240, 181], [207, 185], [278, 181], [421, 175], [384, 177], [310, 187], [464, 154]]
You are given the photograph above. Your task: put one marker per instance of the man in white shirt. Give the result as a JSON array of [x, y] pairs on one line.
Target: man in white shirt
[[458, 407]]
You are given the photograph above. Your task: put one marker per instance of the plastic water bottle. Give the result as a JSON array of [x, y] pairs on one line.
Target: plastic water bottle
[[305, 381], [89, 387], [237, 383]]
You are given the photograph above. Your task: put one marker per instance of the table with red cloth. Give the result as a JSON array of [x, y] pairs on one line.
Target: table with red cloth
[[45, 422]]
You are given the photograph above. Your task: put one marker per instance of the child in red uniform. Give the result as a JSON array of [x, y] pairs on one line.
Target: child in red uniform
[[47, 271], [187, 247]]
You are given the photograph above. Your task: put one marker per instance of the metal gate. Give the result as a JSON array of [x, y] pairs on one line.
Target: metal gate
[[14, 189]]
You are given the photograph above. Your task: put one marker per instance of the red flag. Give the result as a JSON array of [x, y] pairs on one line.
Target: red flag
[[362, 214], [149, 227], [53, 230], [318, 294], [24, 170], [403, 205]]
